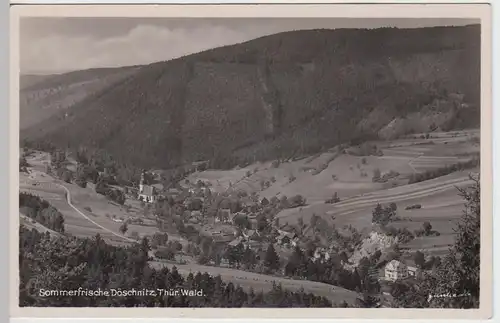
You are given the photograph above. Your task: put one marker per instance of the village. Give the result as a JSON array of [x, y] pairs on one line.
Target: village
[[236, 223], [256, 220], [253, 226]]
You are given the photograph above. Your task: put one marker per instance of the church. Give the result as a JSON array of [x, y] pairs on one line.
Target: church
[[147, 193]]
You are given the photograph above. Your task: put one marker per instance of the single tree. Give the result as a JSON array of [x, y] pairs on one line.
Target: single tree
[[393, 206], [123, 228], [419, 259], [271, 259], [427, 227]]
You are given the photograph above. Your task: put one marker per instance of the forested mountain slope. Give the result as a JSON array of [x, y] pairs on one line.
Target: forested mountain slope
[[280, 95]]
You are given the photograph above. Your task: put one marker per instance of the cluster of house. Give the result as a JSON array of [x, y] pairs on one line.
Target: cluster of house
[[151, 193], [248, 238], [287, 238], [398, 270], [224, 216]]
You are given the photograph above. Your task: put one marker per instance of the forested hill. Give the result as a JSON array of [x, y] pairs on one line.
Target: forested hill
[[280, 95]]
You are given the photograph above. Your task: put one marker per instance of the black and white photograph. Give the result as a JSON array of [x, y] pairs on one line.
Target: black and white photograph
[[251, 162]]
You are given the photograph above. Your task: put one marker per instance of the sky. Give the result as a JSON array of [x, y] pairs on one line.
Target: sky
[[57, 45]]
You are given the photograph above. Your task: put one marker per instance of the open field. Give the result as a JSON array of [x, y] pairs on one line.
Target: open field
[[260, 282], [347, 175], [441, 206], [75, 223]]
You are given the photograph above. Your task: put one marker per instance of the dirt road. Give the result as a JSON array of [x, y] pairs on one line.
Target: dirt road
[[68, 199]]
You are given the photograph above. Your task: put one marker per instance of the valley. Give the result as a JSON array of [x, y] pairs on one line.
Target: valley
[[305, 164]]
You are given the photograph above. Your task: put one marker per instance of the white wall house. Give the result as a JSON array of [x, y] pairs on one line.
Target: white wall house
[[395, 270]]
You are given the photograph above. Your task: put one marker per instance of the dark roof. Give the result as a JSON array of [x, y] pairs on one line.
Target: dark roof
[[158, 186], [409, 263], [283, 236], [287, 227]]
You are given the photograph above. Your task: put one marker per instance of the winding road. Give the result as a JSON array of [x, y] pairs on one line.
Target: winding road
[[68, 199]]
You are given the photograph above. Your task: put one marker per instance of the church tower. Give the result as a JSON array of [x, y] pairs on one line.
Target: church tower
[[141, 183]]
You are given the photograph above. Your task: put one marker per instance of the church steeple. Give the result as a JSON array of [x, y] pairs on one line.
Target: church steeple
[[141, 183]]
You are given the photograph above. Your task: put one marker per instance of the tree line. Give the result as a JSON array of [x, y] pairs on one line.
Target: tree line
[[41, 211], [430, 174], [69, 263]]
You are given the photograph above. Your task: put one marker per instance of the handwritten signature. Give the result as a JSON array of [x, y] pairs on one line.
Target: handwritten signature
[[447, 296]]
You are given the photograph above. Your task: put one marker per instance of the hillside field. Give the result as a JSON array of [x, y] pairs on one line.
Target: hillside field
[[260, 282]]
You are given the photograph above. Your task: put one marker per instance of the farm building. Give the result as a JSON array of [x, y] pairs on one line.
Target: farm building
[[223, 216], [413, 270]]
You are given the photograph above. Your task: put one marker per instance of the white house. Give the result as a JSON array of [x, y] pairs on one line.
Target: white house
[[321, 254], [396, 270]]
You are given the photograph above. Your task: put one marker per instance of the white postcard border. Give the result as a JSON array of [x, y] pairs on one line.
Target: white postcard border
[[283, 10]]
